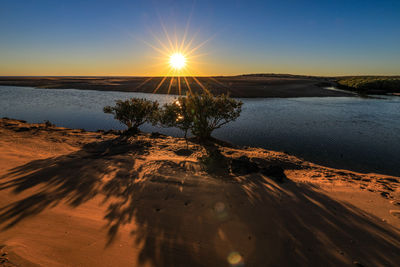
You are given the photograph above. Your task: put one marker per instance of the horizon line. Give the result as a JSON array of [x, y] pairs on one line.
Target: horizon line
[[235, 75]]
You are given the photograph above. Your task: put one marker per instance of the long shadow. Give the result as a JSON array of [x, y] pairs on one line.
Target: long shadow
[[74, 178], [185, 218], [304, 226]]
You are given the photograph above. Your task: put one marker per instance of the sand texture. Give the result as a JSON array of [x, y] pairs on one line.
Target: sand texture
[[75, 198]]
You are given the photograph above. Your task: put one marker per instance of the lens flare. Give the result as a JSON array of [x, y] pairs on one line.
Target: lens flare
[[221, 211], [235, 259]]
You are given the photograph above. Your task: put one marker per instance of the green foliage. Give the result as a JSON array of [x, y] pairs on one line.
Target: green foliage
[[210, 113], [177, 115], [372, 83], [133, 112], [200, 113]]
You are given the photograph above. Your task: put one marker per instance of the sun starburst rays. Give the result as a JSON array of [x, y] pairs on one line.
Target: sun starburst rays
[[179, 60]]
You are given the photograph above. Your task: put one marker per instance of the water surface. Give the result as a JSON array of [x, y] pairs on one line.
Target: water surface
[[343, 132]]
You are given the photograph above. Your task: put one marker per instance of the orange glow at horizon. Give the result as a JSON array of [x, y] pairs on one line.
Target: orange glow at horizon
[[177, 59]]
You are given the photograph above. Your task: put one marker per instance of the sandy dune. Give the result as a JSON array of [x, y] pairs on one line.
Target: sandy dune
[[75, 198]]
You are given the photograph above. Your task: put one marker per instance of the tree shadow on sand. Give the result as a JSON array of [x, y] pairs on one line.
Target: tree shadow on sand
[[74, 178], [184, 217]]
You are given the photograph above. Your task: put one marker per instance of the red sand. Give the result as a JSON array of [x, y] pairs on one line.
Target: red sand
[[73, 198]]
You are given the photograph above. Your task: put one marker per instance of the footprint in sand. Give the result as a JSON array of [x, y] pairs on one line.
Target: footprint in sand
[[395, 213], [394, 202], [385, 194]]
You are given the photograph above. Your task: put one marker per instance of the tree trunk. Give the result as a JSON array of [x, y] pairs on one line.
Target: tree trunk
[[206, 135], [132, 131]]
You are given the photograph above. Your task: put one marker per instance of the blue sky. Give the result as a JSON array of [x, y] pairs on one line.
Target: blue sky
[[113, 37]]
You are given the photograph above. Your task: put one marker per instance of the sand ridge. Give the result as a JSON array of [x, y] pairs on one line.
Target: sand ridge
[[76, 198]]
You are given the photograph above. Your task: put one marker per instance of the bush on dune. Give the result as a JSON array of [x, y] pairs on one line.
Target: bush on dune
[[200, 113], [133, 112], [176, 114], [210, 113]]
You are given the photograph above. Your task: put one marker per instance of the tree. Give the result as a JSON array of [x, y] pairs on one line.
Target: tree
[[176, 114], [133, 112], [200, 113], [211, 112]]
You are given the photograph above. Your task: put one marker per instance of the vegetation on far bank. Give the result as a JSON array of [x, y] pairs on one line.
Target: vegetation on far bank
[[371, 84]]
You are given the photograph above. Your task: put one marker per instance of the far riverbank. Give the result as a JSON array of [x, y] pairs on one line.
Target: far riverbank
[[244, 86]]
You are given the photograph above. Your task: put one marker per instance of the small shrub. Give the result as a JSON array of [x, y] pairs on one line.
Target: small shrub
[[214, 162], [200, 113], [211, 112], [177, 115], [133, 112], [48, 124]]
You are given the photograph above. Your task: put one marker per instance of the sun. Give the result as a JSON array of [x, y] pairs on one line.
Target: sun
[[177, 61]]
